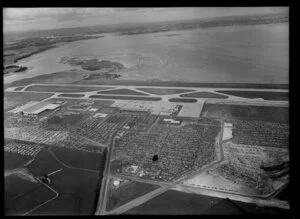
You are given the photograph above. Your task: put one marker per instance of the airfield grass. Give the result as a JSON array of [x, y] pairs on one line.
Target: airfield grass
[[123, 91], [126, 98], [266, 95], [246, 112], [71, 95], [204, 94], [63, 88], [161, 91], [181, 84], [126, 193], [175, 203], [14, 99], [182, 100]]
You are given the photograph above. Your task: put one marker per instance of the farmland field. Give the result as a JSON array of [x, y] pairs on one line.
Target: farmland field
[[13, 189], [63, 88], [24, 195], [14, 99], [175, 203], [204, 95], [14, 160], [126, 98], [180, 203], [261, 113], [182, 100], [266, 95], [78, 193], [80, 159], [122, 92], [127, 192], [44, 163], [78, 188], [161, 91], [71, 95]]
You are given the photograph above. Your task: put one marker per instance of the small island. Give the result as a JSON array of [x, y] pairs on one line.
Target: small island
[[13, 69], [104, 69]]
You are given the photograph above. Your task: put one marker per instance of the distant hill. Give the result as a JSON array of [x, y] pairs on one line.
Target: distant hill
[[140, 28]]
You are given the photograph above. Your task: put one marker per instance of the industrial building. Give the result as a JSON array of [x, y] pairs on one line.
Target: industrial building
[[36, 108]]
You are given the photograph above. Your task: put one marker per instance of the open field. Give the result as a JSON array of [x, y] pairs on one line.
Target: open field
[[80, 159], [204, 95], [126, 98], [71, 95], [159, 91], [14, 160], [175, 203], [64, 204], [283, 96], [181, 203], [19, 88], [246, 112], [122, 92], [13, 188], [45, 88], [31, 199], [126, 192], [44, 163], [182, 100], [78, 188], [14, 99]]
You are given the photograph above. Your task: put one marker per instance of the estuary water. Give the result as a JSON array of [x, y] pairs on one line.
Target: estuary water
[[234, 54]]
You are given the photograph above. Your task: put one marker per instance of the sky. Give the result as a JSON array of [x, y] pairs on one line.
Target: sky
[[25, 19]]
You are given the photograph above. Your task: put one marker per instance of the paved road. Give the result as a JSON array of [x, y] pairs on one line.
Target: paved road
[[106, 178]]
